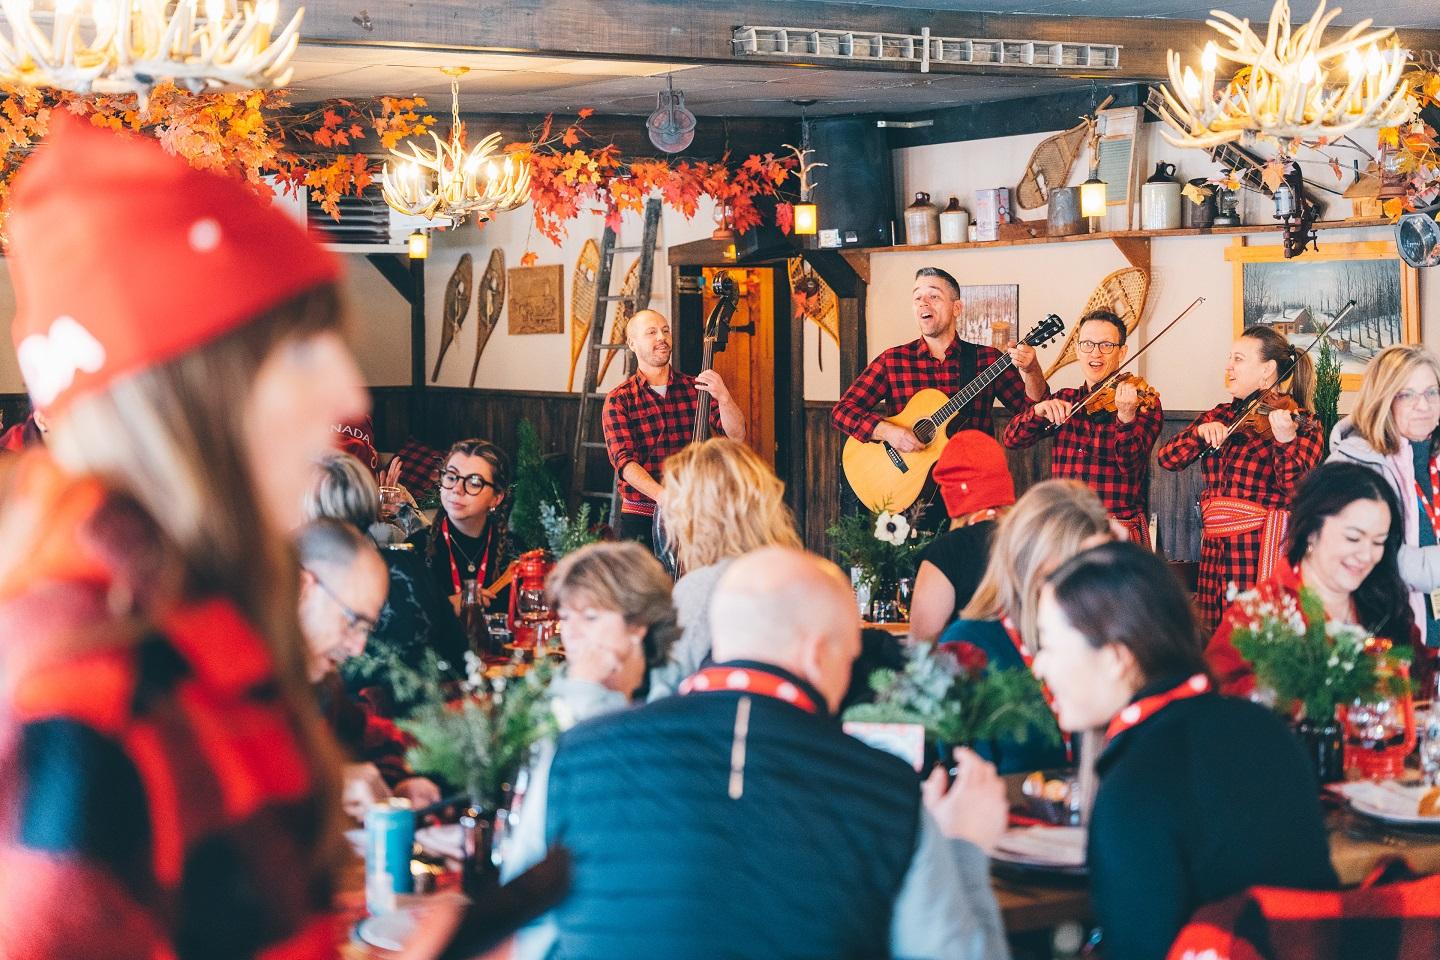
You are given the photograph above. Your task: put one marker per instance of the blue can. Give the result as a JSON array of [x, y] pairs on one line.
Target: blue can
[[389, 838]]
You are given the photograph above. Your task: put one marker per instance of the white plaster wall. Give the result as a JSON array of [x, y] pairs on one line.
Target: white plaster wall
[[536, 361]]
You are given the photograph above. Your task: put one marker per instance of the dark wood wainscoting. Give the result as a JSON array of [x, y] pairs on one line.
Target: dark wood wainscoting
[[453, 413]]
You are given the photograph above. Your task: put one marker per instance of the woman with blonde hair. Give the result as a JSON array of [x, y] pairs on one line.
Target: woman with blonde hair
[[1052, 522], [1393, 430], [721, 501]]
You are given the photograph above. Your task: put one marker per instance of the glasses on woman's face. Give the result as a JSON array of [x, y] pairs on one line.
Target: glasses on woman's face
[[1106, 347], [1412, 398], [474, 484]]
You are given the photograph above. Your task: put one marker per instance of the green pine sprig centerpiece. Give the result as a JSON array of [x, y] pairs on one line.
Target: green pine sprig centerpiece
[[565, 534], [885, 546], [478, 733], [1311, 663], [951, 692]]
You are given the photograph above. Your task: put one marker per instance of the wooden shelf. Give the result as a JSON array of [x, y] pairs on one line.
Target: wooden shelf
[[1121, 235]]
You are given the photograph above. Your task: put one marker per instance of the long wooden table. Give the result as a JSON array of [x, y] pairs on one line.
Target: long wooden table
[[1357, 846]]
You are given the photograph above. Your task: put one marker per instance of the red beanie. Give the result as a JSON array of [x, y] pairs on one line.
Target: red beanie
[[973, 474], [124, 257]]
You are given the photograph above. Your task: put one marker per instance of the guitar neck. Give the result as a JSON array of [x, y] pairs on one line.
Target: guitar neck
[[972, 389]]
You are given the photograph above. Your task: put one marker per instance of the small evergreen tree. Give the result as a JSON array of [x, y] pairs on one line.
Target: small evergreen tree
[[533, 486], [1327, 389]]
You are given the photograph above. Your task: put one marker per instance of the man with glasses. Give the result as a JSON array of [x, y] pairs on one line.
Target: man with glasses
[[343, 584], [1109, 452], [651, 415]]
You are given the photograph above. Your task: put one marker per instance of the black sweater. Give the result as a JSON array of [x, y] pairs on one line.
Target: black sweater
[[1207, 797]]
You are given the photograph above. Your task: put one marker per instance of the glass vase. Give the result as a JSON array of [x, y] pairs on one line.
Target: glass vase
[[478, 869], [1324, 746]]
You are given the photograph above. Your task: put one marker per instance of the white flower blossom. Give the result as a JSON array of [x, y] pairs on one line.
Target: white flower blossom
[[892, 528]]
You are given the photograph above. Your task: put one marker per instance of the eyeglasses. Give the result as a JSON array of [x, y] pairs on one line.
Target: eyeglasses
[[356, 623], [474, 484], [1408, 398], [1106, 347]]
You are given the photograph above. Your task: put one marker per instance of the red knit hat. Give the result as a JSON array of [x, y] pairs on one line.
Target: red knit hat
[[124, 257], [973, 474]]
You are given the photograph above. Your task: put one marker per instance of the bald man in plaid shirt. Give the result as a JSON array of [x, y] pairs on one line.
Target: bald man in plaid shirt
[[938, 360], [651, 415]]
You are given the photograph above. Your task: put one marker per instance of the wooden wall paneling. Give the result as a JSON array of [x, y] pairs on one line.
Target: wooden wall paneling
[[822, 478]]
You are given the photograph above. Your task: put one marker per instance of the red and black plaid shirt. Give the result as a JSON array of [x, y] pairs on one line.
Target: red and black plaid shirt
[[1111, 457], [1247, 467], [887, 384], [644, 426], [155, 801]]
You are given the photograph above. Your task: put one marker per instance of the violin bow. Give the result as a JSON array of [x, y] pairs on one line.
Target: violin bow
[[1254, 402], [1128, 360]]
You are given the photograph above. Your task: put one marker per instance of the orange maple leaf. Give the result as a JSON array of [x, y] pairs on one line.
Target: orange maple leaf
[[529, 258]]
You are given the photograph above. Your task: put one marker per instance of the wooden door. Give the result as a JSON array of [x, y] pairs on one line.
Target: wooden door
[[748, 362]]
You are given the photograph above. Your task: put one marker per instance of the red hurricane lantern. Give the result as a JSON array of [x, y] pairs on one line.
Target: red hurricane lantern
[[1380, 731], [531, 618]]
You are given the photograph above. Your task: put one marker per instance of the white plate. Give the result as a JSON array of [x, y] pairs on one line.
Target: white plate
[[1388, 800], [1061, 848]]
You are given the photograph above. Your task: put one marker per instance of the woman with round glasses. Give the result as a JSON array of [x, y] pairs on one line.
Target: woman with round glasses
[[1393, 430], [1107, 450], [468, 540]]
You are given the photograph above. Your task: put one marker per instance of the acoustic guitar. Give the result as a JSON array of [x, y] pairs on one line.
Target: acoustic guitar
[[882, 477]]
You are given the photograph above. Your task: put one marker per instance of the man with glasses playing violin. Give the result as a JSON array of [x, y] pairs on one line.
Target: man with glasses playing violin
[[1103, 437], [651, 415], [343, 585]]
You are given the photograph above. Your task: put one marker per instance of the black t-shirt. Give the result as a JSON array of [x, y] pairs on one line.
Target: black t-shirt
[[961, 555]]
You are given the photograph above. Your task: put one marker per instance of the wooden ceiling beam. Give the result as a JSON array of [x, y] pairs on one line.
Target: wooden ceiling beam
[[700, 31]]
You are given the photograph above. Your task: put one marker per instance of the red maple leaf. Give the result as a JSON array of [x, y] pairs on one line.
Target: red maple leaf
[[586, 112], [784, 217]]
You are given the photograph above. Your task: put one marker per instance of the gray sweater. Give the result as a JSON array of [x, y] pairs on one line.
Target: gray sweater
[[692, 609]]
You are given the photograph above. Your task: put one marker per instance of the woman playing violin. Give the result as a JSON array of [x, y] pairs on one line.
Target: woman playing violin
[[1252, 470], [1106, 442]]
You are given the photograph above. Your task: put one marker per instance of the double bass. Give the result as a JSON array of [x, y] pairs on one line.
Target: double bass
[[716, 337]]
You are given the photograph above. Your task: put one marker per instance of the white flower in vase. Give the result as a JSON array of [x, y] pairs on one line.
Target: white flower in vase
[[892, 528]]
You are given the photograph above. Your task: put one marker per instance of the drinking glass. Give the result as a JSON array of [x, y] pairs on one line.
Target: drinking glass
[[1430, 747]]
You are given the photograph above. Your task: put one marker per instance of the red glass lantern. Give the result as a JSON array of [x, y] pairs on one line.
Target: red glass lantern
[[1380, 730], [531, 618]]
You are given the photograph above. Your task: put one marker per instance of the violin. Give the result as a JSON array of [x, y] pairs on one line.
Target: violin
[[1103, 399], [1257, 422]]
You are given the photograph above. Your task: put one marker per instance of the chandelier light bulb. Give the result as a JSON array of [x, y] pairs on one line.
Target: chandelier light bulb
[[1355, 66]]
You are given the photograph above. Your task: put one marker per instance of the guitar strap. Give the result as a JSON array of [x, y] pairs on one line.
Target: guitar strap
[[969, 367]]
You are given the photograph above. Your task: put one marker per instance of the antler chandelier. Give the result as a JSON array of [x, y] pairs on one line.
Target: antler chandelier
[[1291, 86], [127, 46], [454, 182]]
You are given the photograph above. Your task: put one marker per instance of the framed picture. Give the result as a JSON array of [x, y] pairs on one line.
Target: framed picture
[[989, 314], [537, 299], [1299, 297]]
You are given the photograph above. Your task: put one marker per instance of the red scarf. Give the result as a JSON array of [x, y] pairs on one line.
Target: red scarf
[[748, 680], [1145, 708]]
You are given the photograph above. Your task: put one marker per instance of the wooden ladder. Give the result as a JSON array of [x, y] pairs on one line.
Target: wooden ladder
[[588, 452]]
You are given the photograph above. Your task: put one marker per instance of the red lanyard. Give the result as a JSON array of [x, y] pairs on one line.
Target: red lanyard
[[746, 680], [1014, 634], [1428, 504], [450, 550], [1142, 710]]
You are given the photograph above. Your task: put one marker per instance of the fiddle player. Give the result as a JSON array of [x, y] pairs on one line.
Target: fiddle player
[[1251, 476], [651, 415], [937, 360], [1106, 449]]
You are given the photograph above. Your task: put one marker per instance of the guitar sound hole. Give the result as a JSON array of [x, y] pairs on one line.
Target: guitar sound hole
[[924, 430]]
